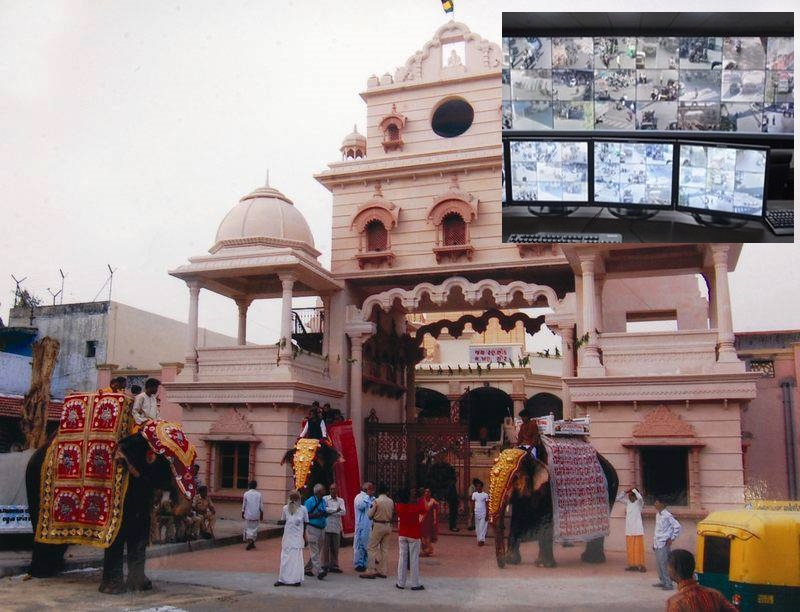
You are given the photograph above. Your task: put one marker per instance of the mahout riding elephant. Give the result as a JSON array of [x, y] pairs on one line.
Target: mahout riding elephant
[[522, 482], [147, 472]]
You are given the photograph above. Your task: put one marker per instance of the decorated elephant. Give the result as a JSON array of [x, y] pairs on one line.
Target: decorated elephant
[[312, 462], [90, 486], [526, 485]]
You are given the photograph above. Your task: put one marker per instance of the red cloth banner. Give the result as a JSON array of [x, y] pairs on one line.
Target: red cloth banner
[[346, 474]]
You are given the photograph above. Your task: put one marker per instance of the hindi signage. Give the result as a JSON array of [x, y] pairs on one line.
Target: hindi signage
[[491, 354], [15, 519]]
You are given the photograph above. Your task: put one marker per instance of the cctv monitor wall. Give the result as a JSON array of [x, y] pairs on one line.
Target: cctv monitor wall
[[664, 83], [722, 181], [629, 174], [549, 172]]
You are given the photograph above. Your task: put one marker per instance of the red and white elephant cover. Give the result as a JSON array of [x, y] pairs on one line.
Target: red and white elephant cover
[[579, 490], [82, 487]]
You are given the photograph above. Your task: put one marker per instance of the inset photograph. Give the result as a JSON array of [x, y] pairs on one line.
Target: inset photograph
[[577, 53], [700, 52], [573, 115], [529, 53], [657, 52], [780, 53], [698, 116], [657, 85], [744, 53], [533, 115], [740, 117], [614, 85], [531, 85], [573, 85], [656, 115], [619, 115], [700, 85], [743, 86], [615, 53]]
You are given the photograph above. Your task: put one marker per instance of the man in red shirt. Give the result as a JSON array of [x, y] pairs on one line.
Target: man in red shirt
[[409, 517], [691, 597]]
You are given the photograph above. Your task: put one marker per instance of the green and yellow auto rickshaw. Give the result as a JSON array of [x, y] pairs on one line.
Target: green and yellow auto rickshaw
[[752, 557]]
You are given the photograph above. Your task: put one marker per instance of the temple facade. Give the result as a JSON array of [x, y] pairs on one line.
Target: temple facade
[[416, 254]]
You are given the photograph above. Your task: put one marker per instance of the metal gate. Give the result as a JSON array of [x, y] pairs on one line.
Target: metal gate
[[398, 453]]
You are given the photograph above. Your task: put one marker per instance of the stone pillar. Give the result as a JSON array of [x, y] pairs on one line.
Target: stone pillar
[[410, 413], [104, 372], [598, 301], [567, 333], [694, 477], [325, 325], [287, 282], [356, 410], [191, 349], [241, 336], [590, 363], [726, 353]]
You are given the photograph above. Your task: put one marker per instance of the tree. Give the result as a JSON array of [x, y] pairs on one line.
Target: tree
[[37, 399]]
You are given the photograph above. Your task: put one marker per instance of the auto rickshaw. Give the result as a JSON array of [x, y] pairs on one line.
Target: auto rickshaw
[[752, 557]]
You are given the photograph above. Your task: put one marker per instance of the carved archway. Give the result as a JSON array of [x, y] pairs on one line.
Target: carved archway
[[543, 404], [517, 293], [479, 323], [485, 407]]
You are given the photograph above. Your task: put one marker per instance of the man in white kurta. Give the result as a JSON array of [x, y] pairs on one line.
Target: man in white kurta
[[294, 518], [145, 406], [252, 513], [479, 500]]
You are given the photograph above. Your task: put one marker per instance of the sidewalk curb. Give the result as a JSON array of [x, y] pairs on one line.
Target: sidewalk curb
[[153, 552]]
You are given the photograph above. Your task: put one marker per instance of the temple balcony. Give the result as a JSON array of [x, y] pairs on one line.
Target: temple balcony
[[659, 353]]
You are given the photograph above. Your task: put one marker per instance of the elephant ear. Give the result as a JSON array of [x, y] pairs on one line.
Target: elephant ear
[[541, 475], [501, 477]]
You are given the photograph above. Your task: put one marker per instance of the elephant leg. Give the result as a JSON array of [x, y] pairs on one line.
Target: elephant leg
[[545, 537], [595, 551], [137, 554], [513, 556], [500, 539], [113, 580], [47, 560]]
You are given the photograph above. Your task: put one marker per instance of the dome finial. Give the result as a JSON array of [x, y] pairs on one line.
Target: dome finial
[[266, 182], [355, 129]]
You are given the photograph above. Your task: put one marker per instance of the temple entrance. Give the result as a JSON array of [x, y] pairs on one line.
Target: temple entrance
[[483, 410], [432, 405], [414, 455], [543, 404]]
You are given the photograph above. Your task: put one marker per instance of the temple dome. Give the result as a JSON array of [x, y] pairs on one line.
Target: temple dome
[[354, 145], [267, 215]]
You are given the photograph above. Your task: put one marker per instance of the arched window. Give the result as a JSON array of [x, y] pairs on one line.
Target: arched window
[[392, 133], [454, 230], [377, 236]]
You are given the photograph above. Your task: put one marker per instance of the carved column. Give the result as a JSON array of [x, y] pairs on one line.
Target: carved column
[[287, 283], [325, 325], [590, 362], [694, 477], [726, 353], [356, 409], [567, 334], [243, 304], [600, 282], [191, 349], [411, 393]]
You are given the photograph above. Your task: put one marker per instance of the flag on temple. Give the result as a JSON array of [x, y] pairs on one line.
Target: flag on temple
[[447, 5]]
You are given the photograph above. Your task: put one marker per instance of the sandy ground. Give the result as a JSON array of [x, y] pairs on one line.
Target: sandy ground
[[460, 576]]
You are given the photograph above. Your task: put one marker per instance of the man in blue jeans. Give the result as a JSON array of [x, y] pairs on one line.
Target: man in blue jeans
[[666, 532], [315, 532]]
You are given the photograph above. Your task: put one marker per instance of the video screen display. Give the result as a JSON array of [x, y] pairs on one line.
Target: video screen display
[[633, 174], [705, 83], [725, 180], [549, 172]]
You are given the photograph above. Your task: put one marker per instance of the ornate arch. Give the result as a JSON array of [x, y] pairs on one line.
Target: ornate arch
[[383, 211], [473, 293], [480, 323]]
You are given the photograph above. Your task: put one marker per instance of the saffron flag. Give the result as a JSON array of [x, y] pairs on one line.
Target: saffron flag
[[447, 5]]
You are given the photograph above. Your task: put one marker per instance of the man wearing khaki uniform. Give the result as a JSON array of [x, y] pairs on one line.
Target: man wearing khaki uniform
[[381, 513]]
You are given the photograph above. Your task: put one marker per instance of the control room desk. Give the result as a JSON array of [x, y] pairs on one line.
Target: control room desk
[[666, 226]]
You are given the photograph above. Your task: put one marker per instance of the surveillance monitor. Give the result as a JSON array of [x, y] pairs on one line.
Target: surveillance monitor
[[722, 181], [549, 172], [630, 174]]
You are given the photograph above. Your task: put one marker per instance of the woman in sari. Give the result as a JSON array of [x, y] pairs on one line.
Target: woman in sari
[[430, 523], [294, 518]]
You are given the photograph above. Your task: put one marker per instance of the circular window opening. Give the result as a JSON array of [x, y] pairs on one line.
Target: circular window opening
[[452, 118]]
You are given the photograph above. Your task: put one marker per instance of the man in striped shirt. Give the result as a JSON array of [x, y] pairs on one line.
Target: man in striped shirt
[[691, 597]]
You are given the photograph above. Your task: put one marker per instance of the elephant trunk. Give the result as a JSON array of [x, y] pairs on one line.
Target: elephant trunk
[[500, 537]]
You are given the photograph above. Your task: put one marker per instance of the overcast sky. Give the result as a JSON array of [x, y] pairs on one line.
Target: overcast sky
[[129, 129]]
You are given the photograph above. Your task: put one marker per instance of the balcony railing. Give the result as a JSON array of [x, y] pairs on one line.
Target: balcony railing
[[659, 353], [258, 364]]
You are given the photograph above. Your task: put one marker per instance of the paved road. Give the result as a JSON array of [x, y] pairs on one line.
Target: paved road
[[460, 576]]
